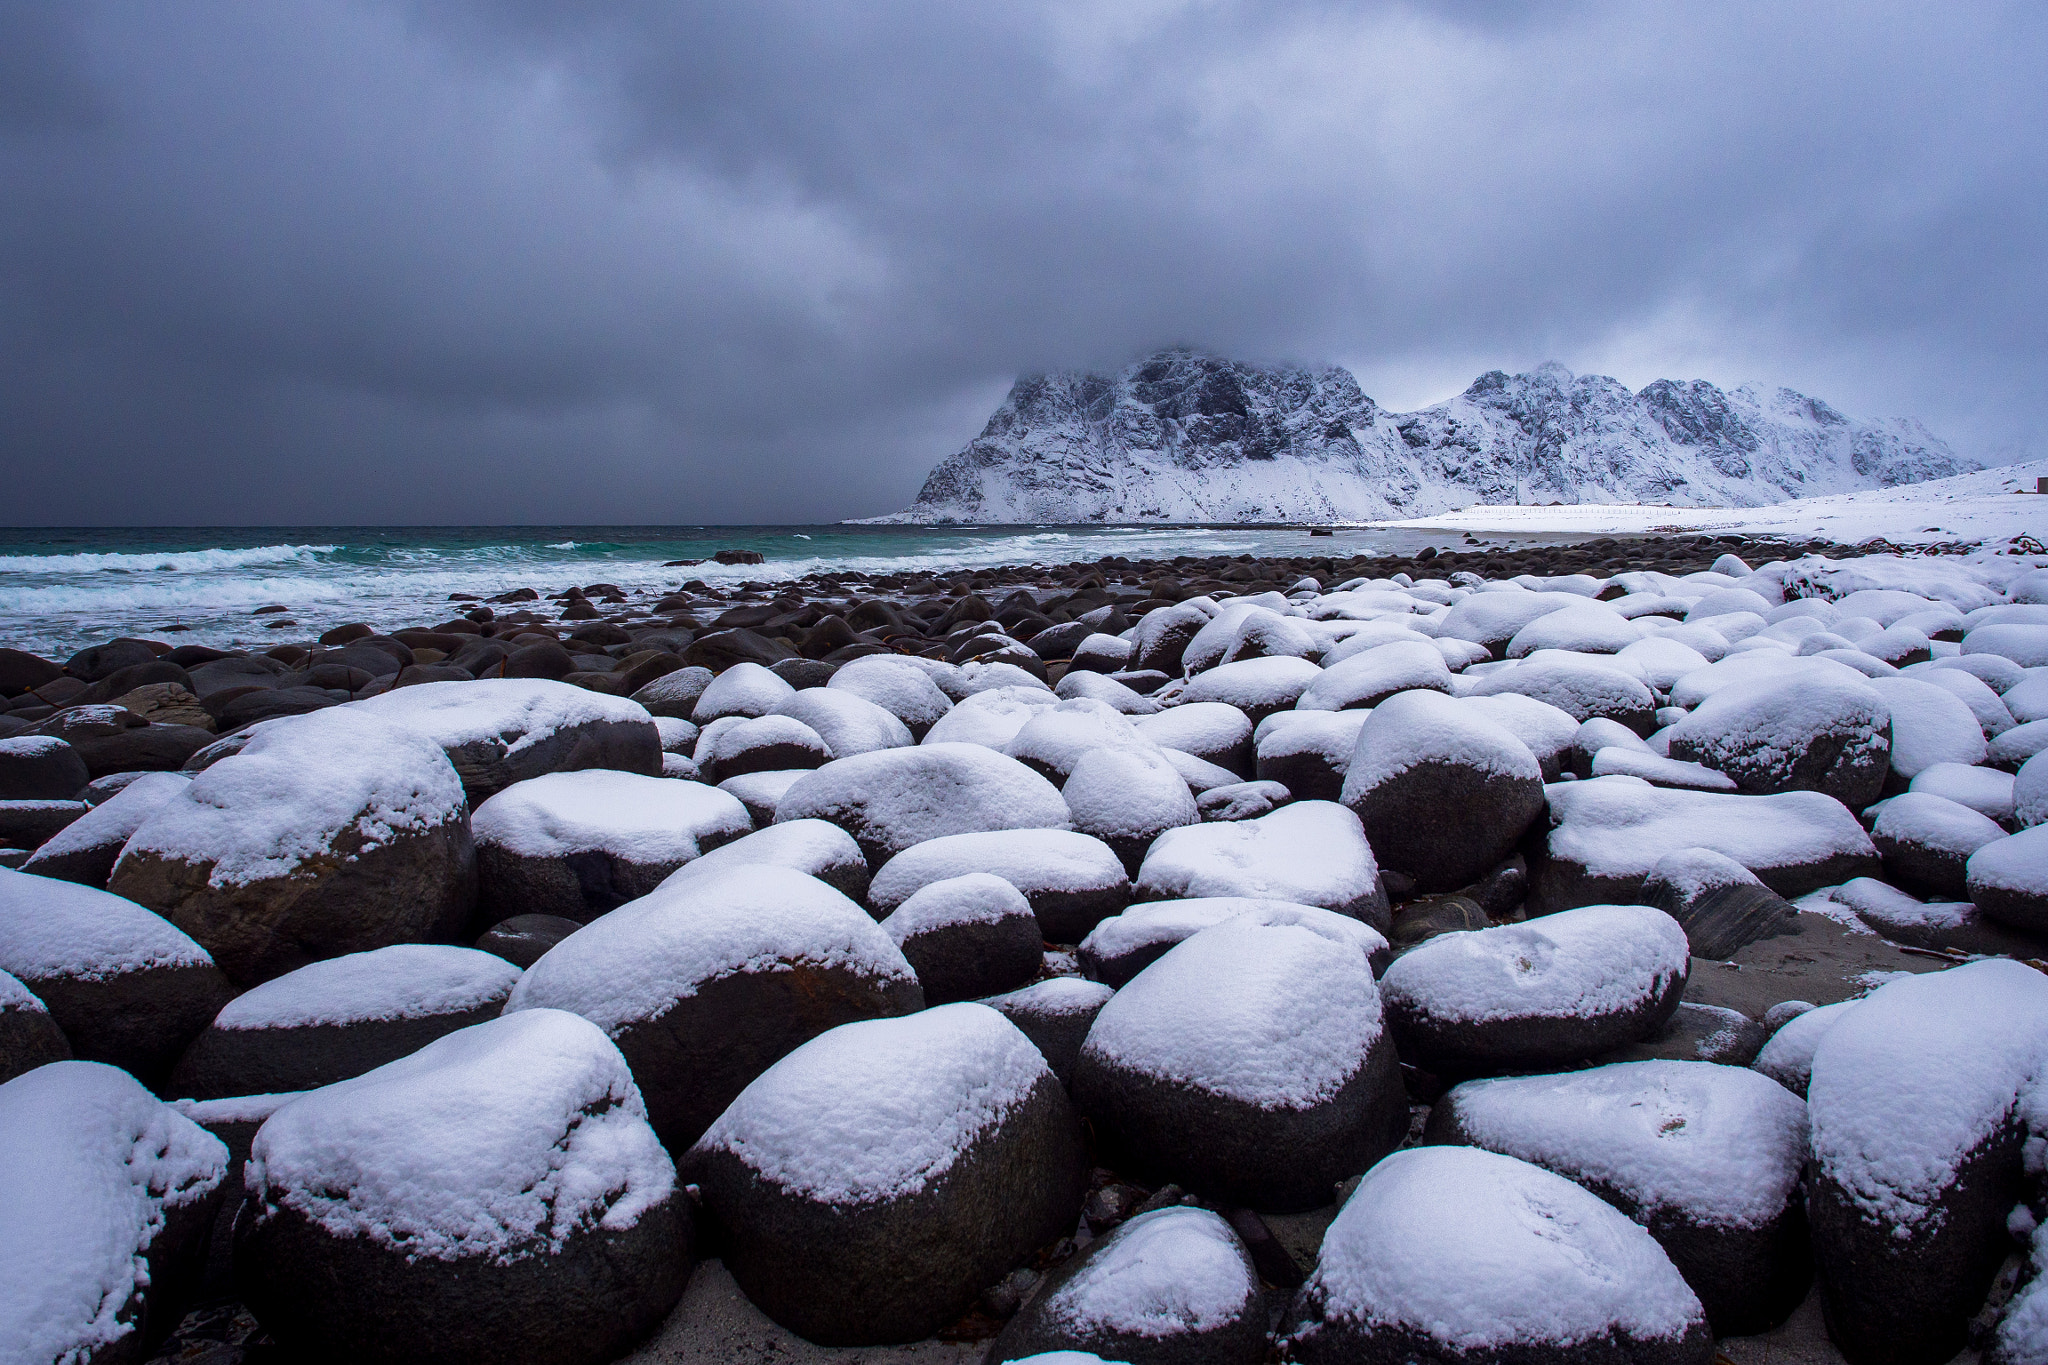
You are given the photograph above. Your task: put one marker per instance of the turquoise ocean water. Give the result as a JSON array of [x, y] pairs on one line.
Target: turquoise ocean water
[[61, 589]]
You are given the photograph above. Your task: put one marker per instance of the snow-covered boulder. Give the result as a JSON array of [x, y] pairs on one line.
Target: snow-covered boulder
[[29, 1038], [1580, 688], [1916, 1140], [1256, 687], [1607, 834], [733, 746], [497, 1195], [893, 798], [1987, 791], [1121, 697], [1250, 1063], [1592, 628], [2030, 792], [579, 844], [1309, 752], [2024, 643], [106, 1198], [1057, 738], [905, 692], [1307, 852], [707, 982], [2008, 880], [1720, 904], [1443, 793], [84, 851], [498, 731], [1926, 842], [1464, 1257], [875, 1180], [1055, 1014], [1993, 718], [1708, 1158], [1071, 880], [2012, 749], [1787, 1057], [1214, 731], [1127, 798], [341, 1017], [745, 689], [760, 793], [1161, 637], [991, 718], [967, 937], [1545, 993], [1951, 926], [812, 847], [1120, 947], [40, 768], [1819, 732], [2027, 699], [1548, 732], [1172, 1285], [1493, 619], [125, 986], [1366, 679], [849, 723], [1242, 800], [1930, 725], [328, 833]]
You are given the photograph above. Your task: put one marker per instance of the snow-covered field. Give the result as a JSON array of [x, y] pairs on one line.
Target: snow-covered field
[[1987, 506]]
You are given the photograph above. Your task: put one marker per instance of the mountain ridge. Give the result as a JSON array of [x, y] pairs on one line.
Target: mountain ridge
[[1186, 436]]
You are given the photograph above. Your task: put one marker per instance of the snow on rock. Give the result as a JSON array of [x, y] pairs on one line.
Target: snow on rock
[[876, 1179], [2008, 880], [1127, 798], [2027, 699], [967, 936], [1661, 772], [1072, 880], [84, 851], [1993, 717], [2025, 643], [1250, 1063], [1548, 732], [732, 746], [1580, 688], [1917, 1153], [1120, 947], [813, 847], [125, 986], [1308, 852], [849, 723], [762, 793], [29, 1038], [1055, 1014], [1055, 739], [1949, 926], [1442, 793], [1717, 901], [745, 689], [1547, 992], [1214, 731], [893, 798], [1257, 687], [1925, 841], [106, 1197], [498, 731], [1460, 1254], [1606, 834], [991, 718], [1370, 677], [1930, 725], [341, 1017], [708, 981], [1788, 1057], [578, 844], [2030, 792], [2013, 748], [1308, 752], [675, 694], [328, 833], [1493, 619], [1173, 1283], [497, 1194], [905, 692], [1080, 682], [1818, 732], [1750, 667], [1590, 629], [1984, 790], [1707, 1157]]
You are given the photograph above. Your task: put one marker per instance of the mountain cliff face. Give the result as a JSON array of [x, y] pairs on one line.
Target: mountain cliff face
[[1183, 436]]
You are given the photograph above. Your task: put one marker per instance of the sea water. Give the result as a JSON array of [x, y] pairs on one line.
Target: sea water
[[62, 589]]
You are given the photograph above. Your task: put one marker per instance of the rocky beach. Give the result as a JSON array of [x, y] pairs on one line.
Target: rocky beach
[[1595, 948]]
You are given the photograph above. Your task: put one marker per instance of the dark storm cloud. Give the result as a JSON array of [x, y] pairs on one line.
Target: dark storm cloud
[[550, 260]]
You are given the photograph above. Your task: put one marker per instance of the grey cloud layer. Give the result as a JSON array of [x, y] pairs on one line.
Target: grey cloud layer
[[335, 261]]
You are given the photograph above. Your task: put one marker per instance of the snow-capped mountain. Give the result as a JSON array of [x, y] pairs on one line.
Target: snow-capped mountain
[[1183, 436]]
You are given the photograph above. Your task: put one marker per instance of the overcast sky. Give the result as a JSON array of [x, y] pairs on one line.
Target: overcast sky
[[337, 261]]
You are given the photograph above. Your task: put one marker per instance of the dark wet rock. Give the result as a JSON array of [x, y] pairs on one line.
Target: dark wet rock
[[967, 937]]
